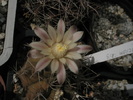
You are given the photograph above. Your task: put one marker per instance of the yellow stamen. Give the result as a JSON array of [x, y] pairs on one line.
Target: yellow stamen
[[59, 50]]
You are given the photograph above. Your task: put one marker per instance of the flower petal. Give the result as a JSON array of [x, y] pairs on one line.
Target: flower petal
[[38, 45], [60, 30], [2, 83], [74, 49], [52, 32], [71, 45], [51, 56], [61, 27], [34, 54], [62, 60], [67, 42], [43, 63], [59, 37], [77, 36], [72, 66], [61, 75], [46, 51], [40, 32], [84, 48], [54, 65], [49, 42], [73, 55], [69, 34]]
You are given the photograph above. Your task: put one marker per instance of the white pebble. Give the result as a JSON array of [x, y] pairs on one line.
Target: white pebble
[[2, 36], [4, 2]]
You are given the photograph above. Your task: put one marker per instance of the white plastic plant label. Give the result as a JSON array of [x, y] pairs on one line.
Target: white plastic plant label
[[10, 23], [111, 53]]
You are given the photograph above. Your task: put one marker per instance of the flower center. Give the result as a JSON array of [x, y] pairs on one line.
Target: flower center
[[59, 50]]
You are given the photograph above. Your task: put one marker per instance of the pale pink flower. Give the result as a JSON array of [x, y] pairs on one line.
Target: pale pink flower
[[58, 48], [2, 83]]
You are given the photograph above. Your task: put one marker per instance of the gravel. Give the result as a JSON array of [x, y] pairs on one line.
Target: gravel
[[3, 16], [114, 27]]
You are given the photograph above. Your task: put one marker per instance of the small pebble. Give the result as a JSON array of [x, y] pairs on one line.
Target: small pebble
[[3, 2], [2, 36]]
